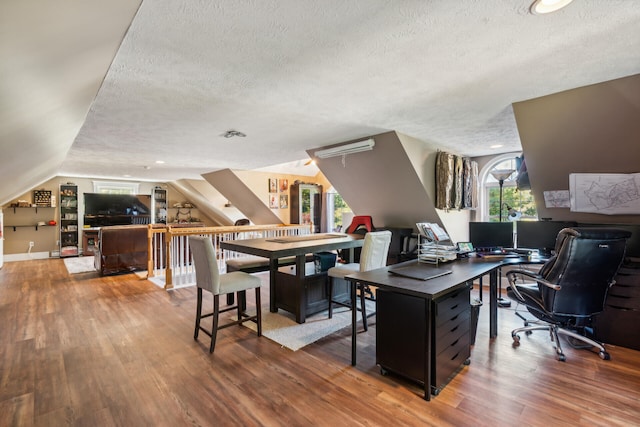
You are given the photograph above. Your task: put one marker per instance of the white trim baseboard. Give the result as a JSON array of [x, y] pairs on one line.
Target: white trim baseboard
[[26, 256]]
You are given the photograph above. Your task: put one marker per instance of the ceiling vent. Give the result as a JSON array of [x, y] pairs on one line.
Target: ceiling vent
[[232, 133]]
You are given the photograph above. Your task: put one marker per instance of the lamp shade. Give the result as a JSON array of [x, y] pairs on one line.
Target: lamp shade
[[502, 174]]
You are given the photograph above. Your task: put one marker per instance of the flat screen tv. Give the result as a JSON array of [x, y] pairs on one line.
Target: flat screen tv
[[116, 209], [487, 236], [540, 235]]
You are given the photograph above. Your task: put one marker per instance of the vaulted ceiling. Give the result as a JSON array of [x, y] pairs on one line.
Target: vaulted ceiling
[[106, 89]]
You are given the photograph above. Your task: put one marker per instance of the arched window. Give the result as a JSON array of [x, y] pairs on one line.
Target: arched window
[[521, 202]]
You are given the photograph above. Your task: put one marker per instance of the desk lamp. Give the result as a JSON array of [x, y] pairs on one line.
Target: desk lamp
[[501, 175]]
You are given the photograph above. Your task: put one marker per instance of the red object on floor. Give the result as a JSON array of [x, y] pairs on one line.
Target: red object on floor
[[358, 221]]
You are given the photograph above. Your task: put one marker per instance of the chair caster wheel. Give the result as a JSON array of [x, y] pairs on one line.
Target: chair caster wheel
[[561, 358], [528, 332], [604, 355], [516, 340], [383, 372]]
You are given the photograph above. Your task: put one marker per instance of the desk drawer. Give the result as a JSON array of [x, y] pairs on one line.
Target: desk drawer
[[625, 290], [451, 305], [452, 329], [450, 360]]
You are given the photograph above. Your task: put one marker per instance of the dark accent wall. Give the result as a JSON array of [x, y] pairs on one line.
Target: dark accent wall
[[382, 183], [592, 129]]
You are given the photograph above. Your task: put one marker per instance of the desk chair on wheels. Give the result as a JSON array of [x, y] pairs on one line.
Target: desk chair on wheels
[[209, 278], [374, 255], [572, 286]]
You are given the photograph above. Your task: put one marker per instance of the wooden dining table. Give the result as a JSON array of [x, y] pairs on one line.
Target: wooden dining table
[[297, 289]]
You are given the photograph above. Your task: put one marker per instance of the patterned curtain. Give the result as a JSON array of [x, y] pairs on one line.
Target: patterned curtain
[[444, 180], [456, 182]]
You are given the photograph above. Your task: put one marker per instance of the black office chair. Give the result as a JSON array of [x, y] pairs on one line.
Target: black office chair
[[572, 286]]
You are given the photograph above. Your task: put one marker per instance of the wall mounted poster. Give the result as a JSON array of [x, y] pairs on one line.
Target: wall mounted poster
[[273, 185], [273, 201], [284, 185], [608, 194], [556, 199], [284, 201]]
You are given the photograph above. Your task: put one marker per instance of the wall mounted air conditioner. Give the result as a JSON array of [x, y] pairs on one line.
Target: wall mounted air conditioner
[[354, 147]]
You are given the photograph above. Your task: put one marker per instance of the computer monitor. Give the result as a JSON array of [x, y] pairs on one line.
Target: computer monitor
[[540, 235], [491, 235]]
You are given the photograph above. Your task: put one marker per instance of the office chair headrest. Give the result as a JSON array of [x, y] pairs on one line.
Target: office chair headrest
[[602, 233], [594, 233]]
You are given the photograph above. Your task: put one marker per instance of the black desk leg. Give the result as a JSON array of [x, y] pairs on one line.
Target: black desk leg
[[429, 314], [502, 302], [493, 303], [352, 288]]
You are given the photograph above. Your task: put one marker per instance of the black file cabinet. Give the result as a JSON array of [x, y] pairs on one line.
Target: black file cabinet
[[617, 324], [416, 335]]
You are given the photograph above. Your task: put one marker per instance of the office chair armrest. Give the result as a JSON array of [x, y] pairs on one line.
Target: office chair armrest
[[511, 276]]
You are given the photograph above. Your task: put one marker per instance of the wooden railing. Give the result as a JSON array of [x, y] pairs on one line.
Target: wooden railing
[[169, 261]]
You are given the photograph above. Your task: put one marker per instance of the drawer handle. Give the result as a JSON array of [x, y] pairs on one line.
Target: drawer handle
[[456, 356], [454, 317], [455, 342], [454, 329], [454, 307]]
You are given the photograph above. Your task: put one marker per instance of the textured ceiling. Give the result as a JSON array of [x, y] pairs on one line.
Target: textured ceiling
[[299, 74]]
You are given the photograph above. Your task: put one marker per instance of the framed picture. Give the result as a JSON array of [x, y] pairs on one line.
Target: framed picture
[[273, 185], [284, 201], [284, 185], [273, 201]]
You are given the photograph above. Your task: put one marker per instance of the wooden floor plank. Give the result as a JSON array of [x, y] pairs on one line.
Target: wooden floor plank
[[90, 350]]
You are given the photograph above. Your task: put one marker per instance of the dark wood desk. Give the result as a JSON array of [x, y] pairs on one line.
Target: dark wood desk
[[422, 299], [406, 301], [288, 291]]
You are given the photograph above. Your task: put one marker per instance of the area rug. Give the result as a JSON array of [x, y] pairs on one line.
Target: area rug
[[82, 264], [282, 328]]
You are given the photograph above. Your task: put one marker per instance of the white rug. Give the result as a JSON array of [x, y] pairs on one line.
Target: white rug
[[82, 264], [282, 328]]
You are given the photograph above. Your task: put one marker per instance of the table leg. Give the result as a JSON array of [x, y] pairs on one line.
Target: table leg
[[354, 317], [493, 303], [301, 309], [273, 269]]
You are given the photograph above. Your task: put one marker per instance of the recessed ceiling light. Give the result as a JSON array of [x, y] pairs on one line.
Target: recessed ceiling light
[[496, 146], [232, 133], [160, 162], [541, 7], [126, 176]]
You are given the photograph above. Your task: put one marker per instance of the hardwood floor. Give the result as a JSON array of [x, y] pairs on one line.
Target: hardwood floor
[[102, 351]]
